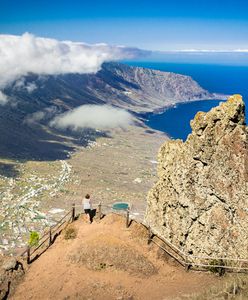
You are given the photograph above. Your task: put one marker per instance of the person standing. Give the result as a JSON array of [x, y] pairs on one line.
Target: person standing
[[87, 206]]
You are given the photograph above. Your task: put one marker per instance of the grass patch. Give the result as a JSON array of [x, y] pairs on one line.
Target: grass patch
[[232, 287], [214, 269], [70, 233]]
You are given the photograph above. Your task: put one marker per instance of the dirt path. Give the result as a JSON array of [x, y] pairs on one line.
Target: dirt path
[[107, 261]]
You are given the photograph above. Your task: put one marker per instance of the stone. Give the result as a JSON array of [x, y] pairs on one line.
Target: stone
[[2, 278], [137, 180], [9, 264], [200, 201]]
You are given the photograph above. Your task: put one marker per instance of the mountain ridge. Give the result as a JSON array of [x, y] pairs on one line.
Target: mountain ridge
[[135, 89]]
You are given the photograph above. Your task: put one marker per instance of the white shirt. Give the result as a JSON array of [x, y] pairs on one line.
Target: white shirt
[[86, 203]]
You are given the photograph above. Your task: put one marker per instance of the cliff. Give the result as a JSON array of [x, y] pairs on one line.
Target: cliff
[[200, 200], [144, 90]]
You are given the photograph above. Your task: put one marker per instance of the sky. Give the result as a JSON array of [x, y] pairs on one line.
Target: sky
[[182, 27]]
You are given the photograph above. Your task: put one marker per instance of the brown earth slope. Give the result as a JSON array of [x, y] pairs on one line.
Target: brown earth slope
[[107, 261]]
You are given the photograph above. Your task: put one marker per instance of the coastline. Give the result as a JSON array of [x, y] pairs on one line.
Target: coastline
[[143, 115], [175, 120]]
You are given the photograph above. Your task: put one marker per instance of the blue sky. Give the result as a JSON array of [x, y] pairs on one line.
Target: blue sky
[[154, 25]]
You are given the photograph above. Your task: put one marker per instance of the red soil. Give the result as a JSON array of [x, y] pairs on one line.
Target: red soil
[[107, 261]]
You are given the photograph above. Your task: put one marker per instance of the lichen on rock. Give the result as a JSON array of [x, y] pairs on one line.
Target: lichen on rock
[[200, 202]]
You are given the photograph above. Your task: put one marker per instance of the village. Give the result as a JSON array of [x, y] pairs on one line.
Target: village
[[20, 211]]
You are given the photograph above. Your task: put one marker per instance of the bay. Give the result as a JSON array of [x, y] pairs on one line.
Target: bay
[[221, 79], [175, 121]]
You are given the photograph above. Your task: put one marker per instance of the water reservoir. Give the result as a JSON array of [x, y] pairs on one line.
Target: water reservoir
[[120, 206]]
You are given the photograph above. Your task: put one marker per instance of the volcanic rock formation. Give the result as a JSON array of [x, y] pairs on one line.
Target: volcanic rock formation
[[200, 202]]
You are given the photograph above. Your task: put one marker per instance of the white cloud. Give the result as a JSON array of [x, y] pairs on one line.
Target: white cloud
[[20, 55], [30, 87], [3, 98], [93, 116], [241, 50], [207, 51], [40, 115], [20, 84], [34, 118]]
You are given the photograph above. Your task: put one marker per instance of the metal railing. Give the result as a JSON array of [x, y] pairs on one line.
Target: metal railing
[[49, 236], [194, 261], [187, 260]]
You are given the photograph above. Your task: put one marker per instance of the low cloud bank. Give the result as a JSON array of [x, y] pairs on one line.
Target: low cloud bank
[[20, 55], [41, 115], [22, 85], [3, 98], [93, 116]]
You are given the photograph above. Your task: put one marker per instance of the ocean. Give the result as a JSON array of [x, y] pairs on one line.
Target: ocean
[[221, 79]]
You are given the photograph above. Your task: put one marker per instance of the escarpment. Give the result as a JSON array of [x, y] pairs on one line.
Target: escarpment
[[200, 202]]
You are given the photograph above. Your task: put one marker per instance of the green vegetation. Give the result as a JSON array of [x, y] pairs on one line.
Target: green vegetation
[[33, 238], [102, 266], [215, 269]]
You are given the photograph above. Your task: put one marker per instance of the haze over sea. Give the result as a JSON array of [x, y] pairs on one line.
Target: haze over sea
[[221, 79]]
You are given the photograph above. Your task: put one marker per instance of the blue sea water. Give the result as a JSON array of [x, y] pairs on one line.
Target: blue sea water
[[215, 78], [176, 120]]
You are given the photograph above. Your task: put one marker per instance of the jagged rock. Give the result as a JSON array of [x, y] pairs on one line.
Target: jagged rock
[[200, 202]]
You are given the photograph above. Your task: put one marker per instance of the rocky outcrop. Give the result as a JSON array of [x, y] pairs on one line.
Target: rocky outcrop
[[200, 202], [11, 272]]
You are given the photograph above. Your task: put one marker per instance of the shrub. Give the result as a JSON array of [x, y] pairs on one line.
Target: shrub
[[70, 233], [212, 268], [102, 266], [33, 238]]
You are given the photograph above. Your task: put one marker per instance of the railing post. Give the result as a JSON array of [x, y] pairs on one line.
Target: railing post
[[100, 210], [28, 255], [187, 267], [149, 235], [127, 219], [50, 236], [187, 264], [73, 212]]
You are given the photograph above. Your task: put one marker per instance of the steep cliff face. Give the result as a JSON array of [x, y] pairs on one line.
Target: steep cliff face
[[200, 202], [143, 90]]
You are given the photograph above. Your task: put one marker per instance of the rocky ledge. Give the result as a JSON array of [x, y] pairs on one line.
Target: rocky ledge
[[200, 202]]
